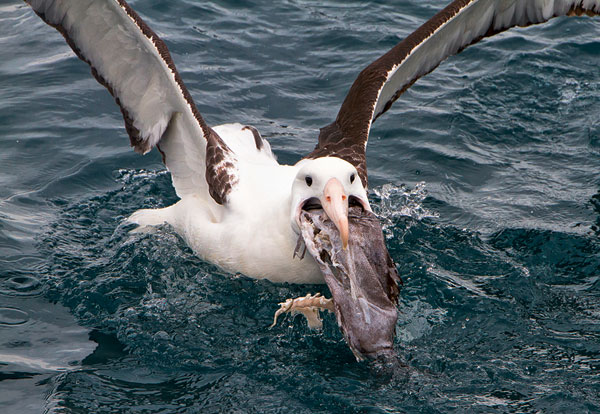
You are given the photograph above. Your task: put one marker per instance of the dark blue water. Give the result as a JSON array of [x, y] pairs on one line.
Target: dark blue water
[[486, 174]]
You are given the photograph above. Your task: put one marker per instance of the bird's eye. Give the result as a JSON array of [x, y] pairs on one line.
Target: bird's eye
[[308, 180], [352, 177]]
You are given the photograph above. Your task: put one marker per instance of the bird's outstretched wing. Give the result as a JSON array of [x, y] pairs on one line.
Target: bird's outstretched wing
[[134, 64], [460, 24]]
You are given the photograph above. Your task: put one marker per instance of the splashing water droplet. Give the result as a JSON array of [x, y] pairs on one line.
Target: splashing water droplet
[[395, 202]]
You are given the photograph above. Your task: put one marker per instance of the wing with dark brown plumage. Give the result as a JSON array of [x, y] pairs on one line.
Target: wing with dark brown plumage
[[460, 24]]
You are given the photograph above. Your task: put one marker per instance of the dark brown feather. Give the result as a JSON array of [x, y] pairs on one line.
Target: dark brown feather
[[221, 169], [347, 136]]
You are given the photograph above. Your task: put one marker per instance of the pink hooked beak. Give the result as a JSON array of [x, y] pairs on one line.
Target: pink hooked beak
[[335, 204]]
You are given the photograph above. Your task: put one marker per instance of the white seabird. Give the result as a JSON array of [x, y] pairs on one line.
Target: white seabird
[[242, 210]]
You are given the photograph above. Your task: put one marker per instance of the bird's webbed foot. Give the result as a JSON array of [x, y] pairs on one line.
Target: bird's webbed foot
[[309, 306]]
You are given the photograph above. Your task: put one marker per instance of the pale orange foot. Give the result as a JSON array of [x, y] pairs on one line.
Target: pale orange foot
[[309, 306]]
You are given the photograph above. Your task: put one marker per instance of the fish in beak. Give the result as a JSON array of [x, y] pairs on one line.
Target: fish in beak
[[348, 245]]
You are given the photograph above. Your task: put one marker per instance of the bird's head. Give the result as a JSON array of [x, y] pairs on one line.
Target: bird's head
[[332, 215], [330, 184]]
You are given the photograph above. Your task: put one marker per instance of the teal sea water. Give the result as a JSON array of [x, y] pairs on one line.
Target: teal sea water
[[485, 173]]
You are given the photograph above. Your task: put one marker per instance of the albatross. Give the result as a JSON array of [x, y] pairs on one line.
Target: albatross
[[240, 209]]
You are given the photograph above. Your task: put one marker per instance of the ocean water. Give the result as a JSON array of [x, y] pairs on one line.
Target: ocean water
[[485, 174]]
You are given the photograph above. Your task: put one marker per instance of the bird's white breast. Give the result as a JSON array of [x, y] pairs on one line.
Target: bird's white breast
[[252, 234]]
